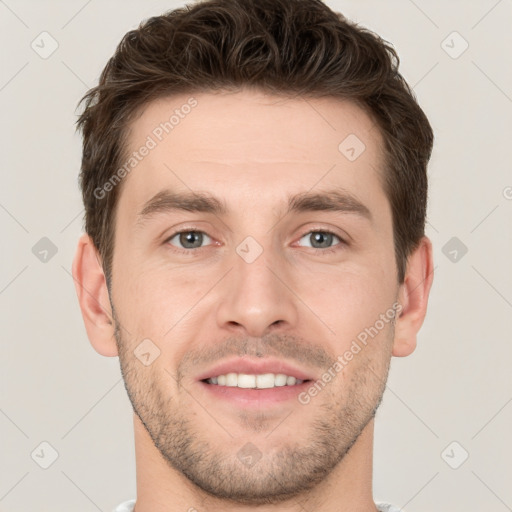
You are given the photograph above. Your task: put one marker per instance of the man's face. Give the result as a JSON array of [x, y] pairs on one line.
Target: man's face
[[254, 283]]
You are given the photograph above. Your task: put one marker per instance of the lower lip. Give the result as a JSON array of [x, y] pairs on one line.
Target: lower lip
[[255, 397]]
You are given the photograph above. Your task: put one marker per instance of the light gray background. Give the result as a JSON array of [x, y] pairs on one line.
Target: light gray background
[[455, 387]]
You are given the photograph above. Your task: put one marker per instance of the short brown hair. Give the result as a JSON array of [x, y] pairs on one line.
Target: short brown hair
[[282, 47]]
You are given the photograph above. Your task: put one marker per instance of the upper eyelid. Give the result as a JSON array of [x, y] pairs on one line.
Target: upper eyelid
[[332, 232]]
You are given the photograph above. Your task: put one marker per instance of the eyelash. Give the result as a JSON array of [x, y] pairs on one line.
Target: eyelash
[[192, 252]]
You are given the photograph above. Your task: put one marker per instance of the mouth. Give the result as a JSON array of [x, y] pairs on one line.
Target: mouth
[[247, 395], [254, 381], [251, 383], [246, 372]]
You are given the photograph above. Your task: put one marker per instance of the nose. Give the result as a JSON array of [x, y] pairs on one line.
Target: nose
[[257, 296]]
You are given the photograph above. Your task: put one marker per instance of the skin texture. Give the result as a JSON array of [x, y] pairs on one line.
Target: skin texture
[[300, 300]]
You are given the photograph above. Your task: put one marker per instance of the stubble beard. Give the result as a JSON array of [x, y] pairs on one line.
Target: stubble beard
[[283, 471]]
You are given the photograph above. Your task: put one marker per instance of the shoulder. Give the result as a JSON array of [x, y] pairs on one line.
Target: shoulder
[[126, 506]]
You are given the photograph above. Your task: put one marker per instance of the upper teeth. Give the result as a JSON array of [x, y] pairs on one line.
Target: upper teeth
[[243, 380]]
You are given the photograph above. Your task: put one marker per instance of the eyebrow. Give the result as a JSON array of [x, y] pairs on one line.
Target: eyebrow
[[167, 201]]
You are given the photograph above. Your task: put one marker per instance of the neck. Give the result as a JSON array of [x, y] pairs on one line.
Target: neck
[[160, 488]]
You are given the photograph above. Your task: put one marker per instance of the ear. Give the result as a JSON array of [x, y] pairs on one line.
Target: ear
[[92, 291], [413, 296]]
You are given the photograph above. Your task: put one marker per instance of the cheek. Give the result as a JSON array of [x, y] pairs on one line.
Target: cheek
[[156, 302], [350, 301]]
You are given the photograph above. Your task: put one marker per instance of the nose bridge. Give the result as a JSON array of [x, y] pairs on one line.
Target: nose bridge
[[256, 263], [257, 297]]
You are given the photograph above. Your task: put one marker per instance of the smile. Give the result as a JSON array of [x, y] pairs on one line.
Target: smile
[[254, 381]]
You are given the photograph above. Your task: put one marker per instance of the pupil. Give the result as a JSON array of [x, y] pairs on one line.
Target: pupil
[[323, 237], [188, 238]]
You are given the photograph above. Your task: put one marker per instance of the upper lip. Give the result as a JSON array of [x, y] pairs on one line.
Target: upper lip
[[255, 366]]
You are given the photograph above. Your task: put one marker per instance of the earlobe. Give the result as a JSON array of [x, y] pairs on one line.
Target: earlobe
[[91, 288], [413, 296]]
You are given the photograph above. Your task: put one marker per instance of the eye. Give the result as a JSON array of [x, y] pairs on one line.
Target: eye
[[321, 240], [188, 239]]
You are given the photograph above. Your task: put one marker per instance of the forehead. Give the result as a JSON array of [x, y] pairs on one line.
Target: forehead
[[249, 143]]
